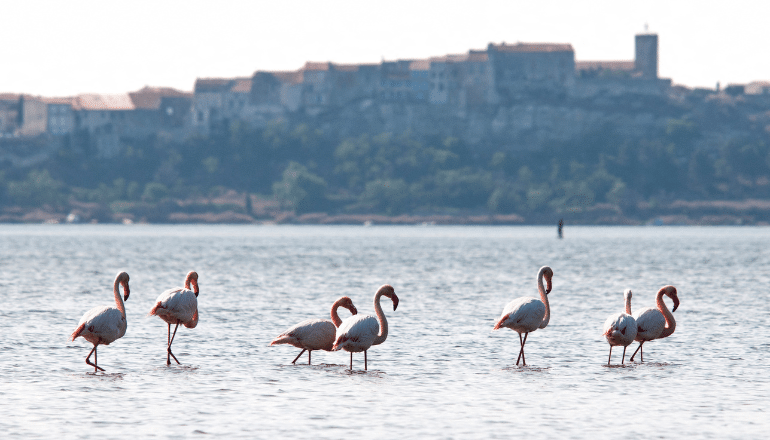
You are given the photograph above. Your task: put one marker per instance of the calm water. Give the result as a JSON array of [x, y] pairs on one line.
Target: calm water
[[442, 373]]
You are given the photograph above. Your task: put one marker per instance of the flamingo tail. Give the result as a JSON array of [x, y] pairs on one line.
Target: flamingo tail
[[154, 310], [338, 343], [283, 339], [500, 322], [78, 330]]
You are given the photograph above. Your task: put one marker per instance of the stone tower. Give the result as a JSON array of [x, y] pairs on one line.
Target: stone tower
[[646, 62]]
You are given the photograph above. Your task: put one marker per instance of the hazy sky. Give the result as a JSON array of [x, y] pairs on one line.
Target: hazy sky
[[60, 48]]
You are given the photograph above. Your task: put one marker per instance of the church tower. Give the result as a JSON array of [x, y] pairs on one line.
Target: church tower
[[646, 61]]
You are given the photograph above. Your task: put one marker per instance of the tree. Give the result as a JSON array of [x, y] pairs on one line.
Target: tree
[[300, 190]]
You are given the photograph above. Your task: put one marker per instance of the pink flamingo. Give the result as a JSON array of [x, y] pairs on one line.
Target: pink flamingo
[[315, 334], [103, 325], [527, 314], [620, 328], [359, 333], [656, 323], [178, 306]]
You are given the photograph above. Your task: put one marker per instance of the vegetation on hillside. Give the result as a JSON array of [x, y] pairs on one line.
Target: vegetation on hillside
[[306, 170]]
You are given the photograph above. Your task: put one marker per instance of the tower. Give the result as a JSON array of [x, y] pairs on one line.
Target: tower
[[646, 61]]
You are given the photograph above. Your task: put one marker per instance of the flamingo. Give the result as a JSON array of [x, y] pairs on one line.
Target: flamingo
[[178, 306], [358, 333], [103, 325], [315, 334], [527, 314], [620, 328], [656, 323]]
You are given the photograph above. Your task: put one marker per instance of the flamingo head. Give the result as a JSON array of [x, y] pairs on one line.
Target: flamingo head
[[348, 304], [123, 280], [670, 291], [547, 274], [387, 290], [627, 294], [192, 279]]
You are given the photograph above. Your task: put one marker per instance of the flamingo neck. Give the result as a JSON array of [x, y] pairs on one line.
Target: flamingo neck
[[383, 335], [335, 317], [544, 298], [670, 321], [628, 305], [189, 280], [118, 298]]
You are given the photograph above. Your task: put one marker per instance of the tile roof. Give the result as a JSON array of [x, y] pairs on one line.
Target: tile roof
[[419, 65], [212, 84], [104, 102], [310, 65], [150, 97], [533, 47], [242, 85], [9, 97], [605, 65]]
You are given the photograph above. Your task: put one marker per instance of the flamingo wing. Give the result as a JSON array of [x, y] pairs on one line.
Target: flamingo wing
[[522, 315], [650, 324], [102, 324], [357, 333], [176, 305], [310, 334]]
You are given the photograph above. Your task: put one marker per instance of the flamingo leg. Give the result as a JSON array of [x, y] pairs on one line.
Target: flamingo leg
[[365, 364], [623, 359], [351, 361], [309, 352], [608, 360], [637, 349], [88, 359], [168, 349], [300, 354], [521, 352]]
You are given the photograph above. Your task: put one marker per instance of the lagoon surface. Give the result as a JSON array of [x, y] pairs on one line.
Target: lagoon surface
[[442, 373]]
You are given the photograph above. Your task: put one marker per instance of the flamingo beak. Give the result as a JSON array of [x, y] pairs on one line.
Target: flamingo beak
[[676, 303], [126, 292], [548, 286], [353, 309], [195, 285], [395, 301]]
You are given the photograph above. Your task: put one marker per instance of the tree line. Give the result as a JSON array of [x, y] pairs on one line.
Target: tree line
[[309, 170]]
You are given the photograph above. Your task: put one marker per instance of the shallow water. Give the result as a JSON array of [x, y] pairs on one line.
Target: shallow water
[[442, 373]]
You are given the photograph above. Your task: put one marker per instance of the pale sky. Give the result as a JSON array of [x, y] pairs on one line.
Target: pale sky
[[62, 48]]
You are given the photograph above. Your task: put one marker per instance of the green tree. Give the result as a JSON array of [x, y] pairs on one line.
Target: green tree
[[300, 190], [39, 188]]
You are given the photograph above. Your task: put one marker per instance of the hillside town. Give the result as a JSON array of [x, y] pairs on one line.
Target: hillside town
[[522, 131], [508, 92]]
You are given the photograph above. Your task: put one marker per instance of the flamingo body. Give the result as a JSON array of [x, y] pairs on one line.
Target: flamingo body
[[359, 333], [522, 315], [178, 306], [101, 325], [315, 334], [310, 334], [655, 323], [650, 324], [527, 314], [104, 325], [620, 329]]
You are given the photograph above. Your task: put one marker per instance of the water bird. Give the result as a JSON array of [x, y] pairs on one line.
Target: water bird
[[655, 323], [103, 325], [358, 333], [527, 314], [620, 328], [178, 306], [315, 334]]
